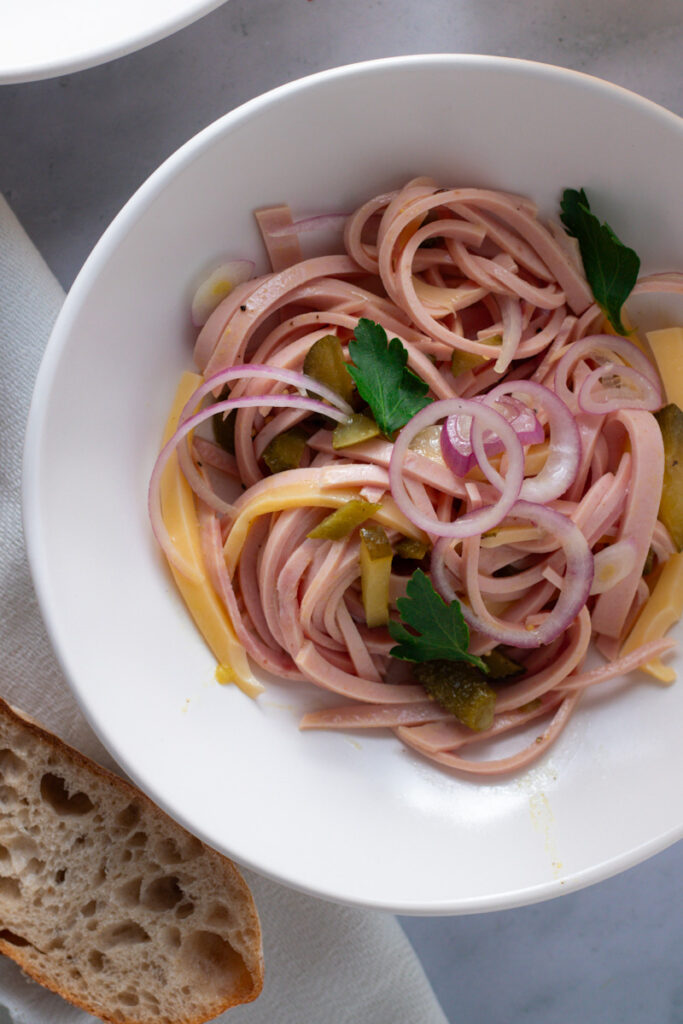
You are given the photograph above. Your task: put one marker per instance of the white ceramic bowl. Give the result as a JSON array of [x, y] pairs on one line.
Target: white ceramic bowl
[[45, 38], [354, 819]]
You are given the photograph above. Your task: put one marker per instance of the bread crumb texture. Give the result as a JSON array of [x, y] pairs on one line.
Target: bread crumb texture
[[108, 902]]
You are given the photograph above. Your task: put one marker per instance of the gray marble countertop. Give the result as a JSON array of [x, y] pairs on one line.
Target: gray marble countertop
[[72, 151]]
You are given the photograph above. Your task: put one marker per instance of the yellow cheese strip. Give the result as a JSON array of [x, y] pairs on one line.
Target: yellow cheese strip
[[307, 496], [667, 348], [180, 516], [662, 610]]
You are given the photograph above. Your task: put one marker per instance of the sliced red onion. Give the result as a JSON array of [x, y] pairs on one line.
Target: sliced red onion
[[613, 564], [602, 348], [456, 444], [215, 384], [483, 418], [319, 223], [612, 387], [186, 427], [564, 447], [216, 286], [572, 596], [260, 371]]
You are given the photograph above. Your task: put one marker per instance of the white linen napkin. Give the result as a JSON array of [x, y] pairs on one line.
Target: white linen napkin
[[325, 964]]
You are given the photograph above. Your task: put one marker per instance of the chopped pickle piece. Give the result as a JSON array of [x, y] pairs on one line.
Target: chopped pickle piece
[[375, 541], [375, 574], [224, 430], [407, 547], [461, 689], [357, 429], [325, 362], [463, 361], [344, 520], [500, 666], [650, 562], [670, 420], [285, 451]]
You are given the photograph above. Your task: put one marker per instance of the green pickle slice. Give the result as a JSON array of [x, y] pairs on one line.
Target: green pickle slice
[[357, 429], [500, 666], [325, 363], [224, 430], [344, 520], [461, 689], [408, 547], [286, 450], [670, 420], [463, 361]]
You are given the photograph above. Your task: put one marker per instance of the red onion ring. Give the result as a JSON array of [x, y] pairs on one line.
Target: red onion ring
[[632, 391], [609, 348], [300, 381], [186, 427], [214, 384], [483, 418], [456, 443], [564, 453]]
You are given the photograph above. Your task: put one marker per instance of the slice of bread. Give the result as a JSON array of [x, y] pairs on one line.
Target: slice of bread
[[107, 901]]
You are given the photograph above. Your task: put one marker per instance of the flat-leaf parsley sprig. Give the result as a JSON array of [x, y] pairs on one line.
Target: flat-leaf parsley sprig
[[441, 632], [393, 392], [611, 267]]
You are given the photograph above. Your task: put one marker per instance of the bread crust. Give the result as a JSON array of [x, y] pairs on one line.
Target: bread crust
[[244, 989]]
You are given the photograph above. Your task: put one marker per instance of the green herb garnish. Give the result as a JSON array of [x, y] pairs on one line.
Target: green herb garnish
[[441, 631], [611, 267], [393, 392]]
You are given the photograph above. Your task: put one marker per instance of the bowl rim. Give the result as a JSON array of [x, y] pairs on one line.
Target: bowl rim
[[33, 70], [108, 242]]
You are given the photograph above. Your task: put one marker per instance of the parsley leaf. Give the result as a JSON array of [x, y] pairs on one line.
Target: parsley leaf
[[442, 632], [393, 392], [611, 267]]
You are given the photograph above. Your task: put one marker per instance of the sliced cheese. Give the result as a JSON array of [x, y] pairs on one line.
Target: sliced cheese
[[667, 348], [180, 517], [308, 496], [663, 608]]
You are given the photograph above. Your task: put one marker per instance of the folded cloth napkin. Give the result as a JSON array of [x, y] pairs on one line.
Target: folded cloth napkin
[[324, 963]]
